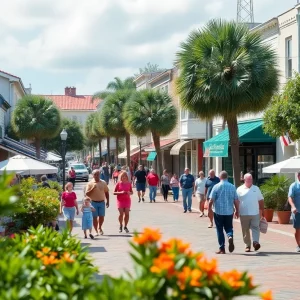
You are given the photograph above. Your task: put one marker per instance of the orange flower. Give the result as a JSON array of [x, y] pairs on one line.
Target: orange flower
[[50, 260], [196, 275], [46, 250], [233, 278], [148, 236], [174, 244], [187, 275], [164, 262], [67, 257], [267, 295], [208, 266], [39, 254], [54, 254]]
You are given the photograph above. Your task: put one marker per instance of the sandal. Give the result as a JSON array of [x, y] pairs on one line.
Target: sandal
[[247, 249], [126, 229], [120, 230], [210, 226]]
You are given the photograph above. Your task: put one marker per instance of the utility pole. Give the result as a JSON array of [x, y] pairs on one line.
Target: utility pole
[[245, 11]]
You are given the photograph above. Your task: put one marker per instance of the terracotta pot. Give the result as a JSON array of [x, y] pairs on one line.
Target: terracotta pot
[[284, 217], [269, 212]]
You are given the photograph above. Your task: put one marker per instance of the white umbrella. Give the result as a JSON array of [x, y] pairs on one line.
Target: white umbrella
[[26, 166], [291, 165], [53, 157]]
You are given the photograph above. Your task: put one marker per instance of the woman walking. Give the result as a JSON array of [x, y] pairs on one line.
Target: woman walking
[[153, 183], [174, 183], [199, 191], [68, 205], [123, 190], [165, 185]]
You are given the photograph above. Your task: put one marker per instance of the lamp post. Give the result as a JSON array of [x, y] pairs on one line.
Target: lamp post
[[63, 136], [140, 143]]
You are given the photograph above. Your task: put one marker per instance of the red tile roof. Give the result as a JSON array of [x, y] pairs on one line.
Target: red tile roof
[[74, 102]]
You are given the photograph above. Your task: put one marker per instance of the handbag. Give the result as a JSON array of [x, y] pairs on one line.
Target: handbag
[[263, 225]]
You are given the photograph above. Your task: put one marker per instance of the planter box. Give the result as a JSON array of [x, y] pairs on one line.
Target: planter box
[[269, 213], [284, 217]]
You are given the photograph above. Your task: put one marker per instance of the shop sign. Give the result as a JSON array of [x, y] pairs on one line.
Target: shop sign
[[215, 149]]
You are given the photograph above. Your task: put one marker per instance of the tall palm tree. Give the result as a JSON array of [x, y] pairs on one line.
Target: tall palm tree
[[36, 117], [112, 120], [226, 71], [151, 110], [116, 85]]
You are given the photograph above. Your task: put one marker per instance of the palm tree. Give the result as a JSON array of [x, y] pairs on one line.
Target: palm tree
[[112, 120], [151, 110], [226, 71], [36, 117], [116, 85]]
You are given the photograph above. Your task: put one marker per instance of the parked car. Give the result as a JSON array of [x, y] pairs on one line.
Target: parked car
[[81, 171]]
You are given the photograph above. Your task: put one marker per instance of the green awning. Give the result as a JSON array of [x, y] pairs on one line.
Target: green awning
[[249, 132], [151, 156]]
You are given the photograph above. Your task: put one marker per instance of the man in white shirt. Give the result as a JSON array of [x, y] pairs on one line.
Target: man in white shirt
[[199, 190], [251, 210]]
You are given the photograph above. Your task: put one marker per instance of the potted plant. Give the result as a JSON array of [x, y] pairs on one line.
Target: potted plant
[[275, 191]]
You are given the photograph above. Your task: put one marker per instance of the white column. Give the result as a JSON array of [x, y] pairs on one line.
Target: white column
[[192, 150], [186, 155]]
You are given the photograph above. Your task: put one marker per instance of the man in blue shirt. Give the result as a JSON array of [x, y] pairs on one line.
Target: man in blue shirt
[[211, 181], [187, 182], [223, 199], [294, 200]]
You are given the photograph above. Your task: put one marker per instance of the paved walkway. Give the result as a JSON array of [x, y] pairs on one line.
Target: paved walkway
[[276, 266]]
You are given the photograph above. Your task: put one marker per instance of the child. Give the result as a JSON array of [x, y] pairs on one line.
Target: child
[[87, 217]]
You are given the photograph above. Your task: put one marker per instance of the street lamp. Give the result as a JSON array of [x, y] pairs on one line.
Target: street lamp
[[63, 136], [140, 143]]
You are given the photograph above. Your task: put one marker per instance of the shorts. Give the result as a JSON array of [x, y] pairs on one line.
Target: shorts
[[140, 187], [99, 208], [200, 197], [69, 213], [296, 220]]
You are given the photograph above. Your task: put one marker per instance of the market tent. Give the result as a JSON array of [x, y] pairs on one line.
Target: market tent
[[53, 157], [291, 165], [26, 166]]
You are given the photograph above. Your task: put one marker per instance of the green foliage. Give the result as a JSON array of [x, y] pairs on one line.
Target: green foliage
[[11, 134], [93, 130], [275, 191], [283, 113], [226, 70], [36, 117], [75, 140], [56, 186], [150, 110]]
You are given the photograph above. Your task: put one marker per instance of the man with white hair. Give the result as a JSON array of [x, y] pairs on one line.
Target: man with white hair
[[187, 183], [251, 208]]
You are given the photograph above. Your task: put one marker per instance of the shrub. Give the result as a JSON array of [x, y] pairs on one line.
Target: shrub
[[56, 186]]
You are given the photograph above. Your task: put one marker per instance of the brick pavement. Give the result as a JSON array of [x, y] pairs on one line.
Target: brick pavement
[[275, 266]]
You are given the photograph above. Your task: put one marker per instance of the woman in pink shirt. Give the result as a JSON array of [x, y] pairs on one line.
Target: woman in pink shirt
[[174, 183], [123, 190]]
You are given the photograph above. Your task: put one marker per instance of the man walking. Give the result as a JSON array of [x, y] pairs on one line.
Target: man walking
[[97, 191], [153, 183], [105, 171], [140, 176], [251, 207], [223, 198], [187, 182], [294, 200]]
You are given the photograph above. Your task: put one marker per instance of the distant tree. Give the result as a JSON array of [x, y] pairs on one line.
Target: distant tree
[[149, 68], [151, 110], [74, 142], [36, 117]]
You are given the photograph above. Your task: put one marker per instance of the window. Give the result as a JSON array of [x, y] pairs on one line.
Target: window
[[289, 58], [184, 114]]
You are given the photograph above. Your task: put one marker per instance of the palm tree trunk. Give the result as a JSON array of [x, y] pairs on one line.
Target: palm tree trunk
[[234, 144], [100, 152], [117, 150], [38, 148], [156, 141], [108, 149], [127, 142]]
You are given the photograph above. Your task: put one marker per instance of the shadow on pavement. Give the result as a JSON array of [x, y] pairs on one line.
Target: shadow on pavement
[[119, 235], [259, 254], [97, 249]]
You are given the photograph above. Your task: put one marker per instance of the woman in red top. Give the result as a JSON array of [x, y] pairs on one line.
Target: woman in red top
[[68, 205], [72, 176], [123, 190], [153, 182]]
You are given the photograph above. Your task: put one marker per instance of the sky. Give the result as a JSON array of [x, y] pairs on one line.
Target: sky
[[52, 44]]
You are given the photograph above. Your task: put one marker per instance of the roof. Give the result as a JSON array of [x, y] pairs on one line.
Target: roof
[[163, 144], [18, 79], [74, 102]]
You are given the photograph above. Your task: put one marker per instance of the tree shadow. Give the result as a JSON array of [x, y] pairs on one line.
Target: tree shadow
[[259, 254], [97, 249], [119, 235]]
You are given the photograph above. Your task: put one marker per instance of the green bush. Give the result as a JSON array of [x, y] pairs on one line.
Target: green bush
[[56, 186]]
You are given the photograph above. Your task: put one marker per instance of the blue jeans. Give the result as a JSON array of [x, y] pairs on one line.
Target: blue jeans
[[152, 192], [223, 222], [187, 198], [175, 191]]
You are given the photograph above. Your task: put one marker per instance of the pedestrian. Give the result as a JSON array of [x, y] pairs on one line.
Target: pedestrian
[[45, 183], [119, 167], [187, 182], [68, 205], [294, 201], [140, 177], [123, 190], [72, 176], [87, 217], [174, 183], [251, 210], [128, 174], [153, 183], [222, 200], [199, 191], [97, 191], [165, 185], [105, 171], [115, 175], [211, 181]]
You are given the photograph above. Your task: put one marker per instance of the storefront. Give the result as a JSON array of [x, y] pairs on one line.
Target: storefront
[[257, 150]]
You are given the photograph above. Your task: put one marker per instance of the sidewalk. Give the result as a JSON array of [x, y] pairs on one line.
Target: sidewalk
[[275, 266]]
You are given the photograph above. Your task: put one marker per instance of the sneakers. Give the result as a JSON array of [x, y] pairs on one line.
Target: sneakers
[[153, 200], [150, 201], [201, 215], [298, 249], [185, 211], [231, 244], [190, 210], [256, 246], [120, 229], [143, 199], [126, 229], [85, 237], [91, 236], [139, 200]]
